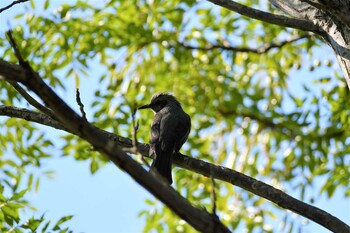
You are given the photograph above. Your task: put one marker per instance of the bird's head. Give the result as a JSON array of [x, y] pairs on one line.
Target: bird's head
[[160, 100]]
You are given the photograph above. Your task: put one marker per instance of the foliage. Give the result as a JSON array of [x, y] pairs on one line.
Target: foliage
[[249, 111]]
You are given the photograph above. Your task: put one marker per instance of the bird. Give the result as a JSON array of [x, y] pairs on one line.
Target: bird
[[169, 131]]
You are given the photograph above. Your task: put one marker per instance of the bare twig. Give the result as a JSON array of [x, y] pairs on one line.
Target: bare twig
[[135, 145], [81, 105], [15, 47], [31, 100], [198, 218], [12, 4], [207, 169], [24, 93]]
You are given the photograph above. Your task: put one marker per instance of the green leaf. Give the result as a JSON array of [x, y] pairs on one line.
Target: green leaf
[[93, 166], [45, 227], [2, 198], [61, 221], [11, 214], [32, 3], [19, 195], [32, 224], [46, 4]]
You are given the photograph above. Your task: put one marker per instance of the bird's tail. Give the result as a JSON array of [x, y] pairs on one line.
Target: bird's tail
[[162, 163]]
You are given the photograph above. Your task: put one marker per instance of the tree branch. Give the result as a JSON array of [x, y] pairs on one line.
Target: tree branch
[[198, 218], [280, 20], [81, 105], [283, 127], [263, 49], [338, 8], [28, 115], [207, 169], [12, 4], [102, 141], [31, 100]]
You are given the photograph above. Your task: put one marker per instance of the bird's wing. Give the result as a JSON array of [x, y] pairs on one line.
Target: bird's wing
[[155, 132], [182, 131], [162, 144], [167, 127], [170, 130]]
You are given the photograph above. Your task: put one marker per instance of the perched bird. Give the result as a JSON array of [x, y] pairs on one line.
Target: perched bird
[[169, 131]]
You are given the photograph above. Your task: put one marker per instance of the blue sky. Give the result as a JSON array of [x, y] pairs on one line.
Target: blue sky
[[110, 200]]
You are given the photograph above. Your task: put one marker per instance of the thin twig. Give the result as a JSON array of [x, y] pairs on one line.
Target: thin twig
[[134, 149], [15, 47], [31, 100], [12, 4], [81, 105], [196, 217], [25, 95], [204, 168], [262, 49]]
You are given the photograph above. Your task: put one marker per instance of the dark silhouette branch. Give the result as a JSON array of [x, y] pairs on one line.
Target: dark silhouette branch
[[198, 218], [81, 105], [283, 127], [263, 49], [31, 116], [305, 25], [12, 4], [204, 168], [111, 146], [31, 100]]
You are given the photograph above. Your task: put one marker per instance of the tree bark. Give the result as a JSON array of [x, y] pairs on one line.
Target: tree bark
[[333, 21], [111, 145], [329, 19]]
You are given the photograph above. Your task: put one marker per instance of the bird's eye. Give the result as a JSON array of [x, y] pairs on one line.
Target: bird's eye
[[159, 104]]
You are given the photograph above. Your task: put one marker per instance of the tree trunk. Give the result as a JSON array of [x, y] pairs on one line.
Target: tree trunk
[[333, 20]]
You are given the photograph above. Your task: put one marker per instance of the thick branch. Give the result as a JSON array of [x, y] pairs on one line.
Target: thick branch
[[304, 25], [332, 28], [28, 115], [263, 190], [199, 219], [338, 8], [209, 170], [263, 49]]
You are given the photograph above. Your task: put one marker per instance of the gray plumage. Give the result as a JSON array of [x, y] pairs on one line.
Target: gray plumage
[[169, 131]]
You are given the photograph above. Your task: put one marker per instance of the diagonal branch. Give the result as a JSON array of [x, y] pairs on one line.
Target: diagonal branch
[[200, 219], [31, 100], [263, 49], [207, 169], [29, 115], [300, 24], [12, 4]]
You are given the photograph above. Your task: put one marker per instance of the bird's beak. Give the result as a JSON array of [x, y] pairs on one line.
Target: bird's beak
[[144, 106]]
